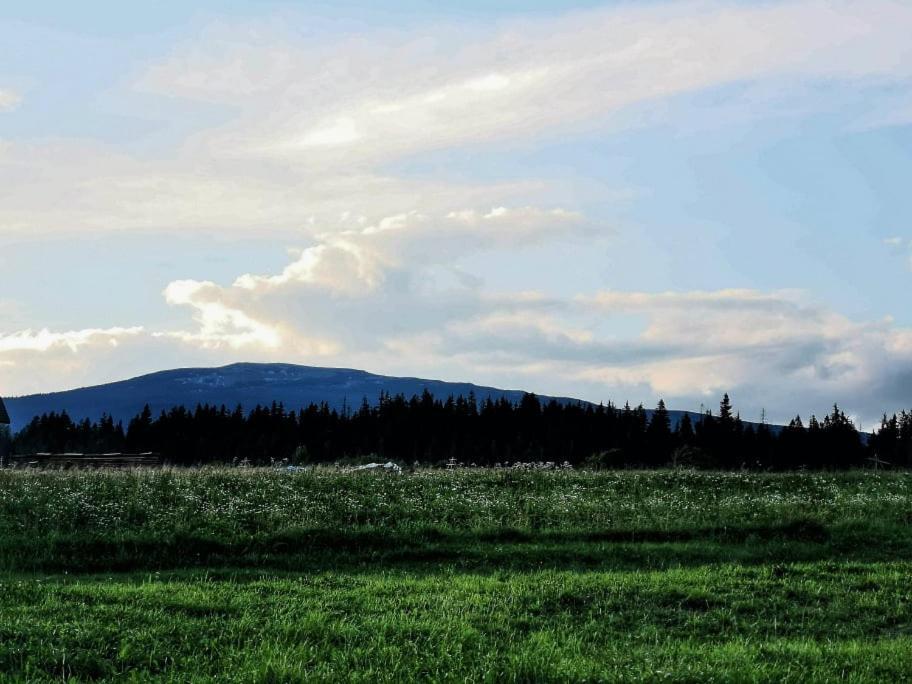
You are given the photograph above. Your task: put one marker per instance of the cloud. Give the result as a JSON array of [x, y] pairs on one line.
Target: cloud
[[218, 324], [312, 124], [900, 245], [44, 340], [342, 131], [117, 193], [775, 348], [9, 100], [222, 326], [40, 360], [735, 338], [770, 349], [353, 260], [381, 295], [388, 95]]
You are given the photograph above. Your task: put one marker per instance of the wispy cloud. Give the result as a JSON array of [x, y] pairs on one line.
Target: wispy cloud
[[312, 126], [9, 100], [386, 96], [44, 340], [900, 245]]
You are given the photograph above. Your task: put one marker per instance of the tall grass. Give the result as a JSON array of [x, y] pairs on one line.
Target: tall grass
[[269, 576], [167, 517]]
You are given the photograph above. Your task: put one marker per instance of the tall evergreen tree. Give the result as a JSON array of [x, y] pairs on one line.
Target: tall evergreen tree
[[659, 438], [685, 431]]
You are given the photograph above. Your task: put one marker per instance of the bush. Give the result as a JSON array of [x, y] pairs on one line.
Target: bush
[[612, 459], [691, 457]]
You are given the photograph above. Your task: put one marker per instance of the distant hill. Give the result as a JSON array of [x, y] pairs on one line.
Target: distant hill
[[247, 384]]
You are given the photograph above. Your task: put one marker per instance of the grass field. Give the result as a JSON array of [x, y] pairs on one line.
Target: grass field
[[233, 575]]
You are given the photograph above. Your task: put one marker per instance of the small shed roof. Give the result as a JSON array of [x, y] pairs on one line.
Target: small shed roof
[[4, 416]]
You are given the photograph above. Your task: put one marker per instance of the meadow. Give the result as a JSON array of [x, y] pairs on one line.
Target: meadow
[[475, 575]]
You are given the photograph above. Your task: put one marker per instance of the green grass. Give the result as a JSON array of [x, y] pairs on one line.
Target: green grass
[[230, 575]]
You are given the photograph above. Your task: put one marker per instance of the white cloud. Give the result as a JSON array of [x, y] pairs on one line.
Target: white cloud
[[9, 100], [219, 325], [44, 340], [772, 349], [313, 124], [339, 132], [776, 348], [352, 261], [387, 95], [900, 245], [43, 360], [99, 190]]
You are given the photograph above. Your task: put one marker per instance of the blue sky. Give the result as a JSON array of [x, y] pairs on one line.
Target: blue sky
[[617, 201]]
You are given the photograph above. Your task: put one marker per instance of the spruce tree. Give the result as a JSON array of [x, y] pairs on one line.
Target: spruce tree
[[658, 436], [725, 410], [685, 431]]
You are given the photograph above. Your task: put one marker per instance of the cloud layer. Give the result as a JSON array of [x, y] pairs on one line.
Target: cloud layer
[[381, 297], [314, 123]]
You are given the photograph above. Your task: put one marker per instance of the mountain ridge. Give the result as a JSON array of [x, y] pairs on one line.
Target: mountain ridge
[[244, 383]]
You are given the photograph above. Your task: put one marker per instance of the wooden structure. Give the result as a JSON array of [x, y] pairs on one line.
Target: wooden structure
[[73, 460], [876, 460]]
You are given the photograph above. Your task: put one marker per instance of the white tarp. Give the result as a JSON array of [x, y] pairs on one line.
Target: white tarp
[[389, 466]]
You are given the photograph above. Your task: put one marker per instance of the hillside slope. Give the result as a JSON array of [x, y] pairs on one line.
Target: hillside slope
[[247, 384]]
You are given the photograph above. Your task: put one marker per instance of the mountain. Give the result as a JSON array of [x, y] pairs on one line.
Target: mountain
[[247, 384]]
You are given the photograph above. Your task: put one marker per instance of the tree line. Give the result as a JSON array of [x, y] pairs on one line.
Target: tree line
[[429, 430]]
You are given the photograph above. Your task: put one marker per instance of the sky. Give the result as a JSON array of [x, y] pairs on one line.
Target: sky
[[613, 201]]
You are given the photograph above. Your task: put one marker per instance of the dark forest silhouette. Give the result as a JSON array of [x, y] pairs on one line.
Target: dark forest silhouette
[[428, 430]]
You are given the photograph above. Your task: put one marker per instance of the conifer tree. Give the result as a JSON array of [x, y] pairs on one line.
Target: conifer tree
[[659, 436], [685, 431], [725, 410]]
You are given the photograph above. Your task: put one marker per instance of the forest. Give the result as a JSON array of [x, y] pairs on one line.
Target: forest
[[430, 431]]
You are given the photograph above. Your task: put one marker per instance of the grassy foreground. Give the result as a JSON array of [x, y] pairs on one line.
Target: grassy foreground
[[231, 575]]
